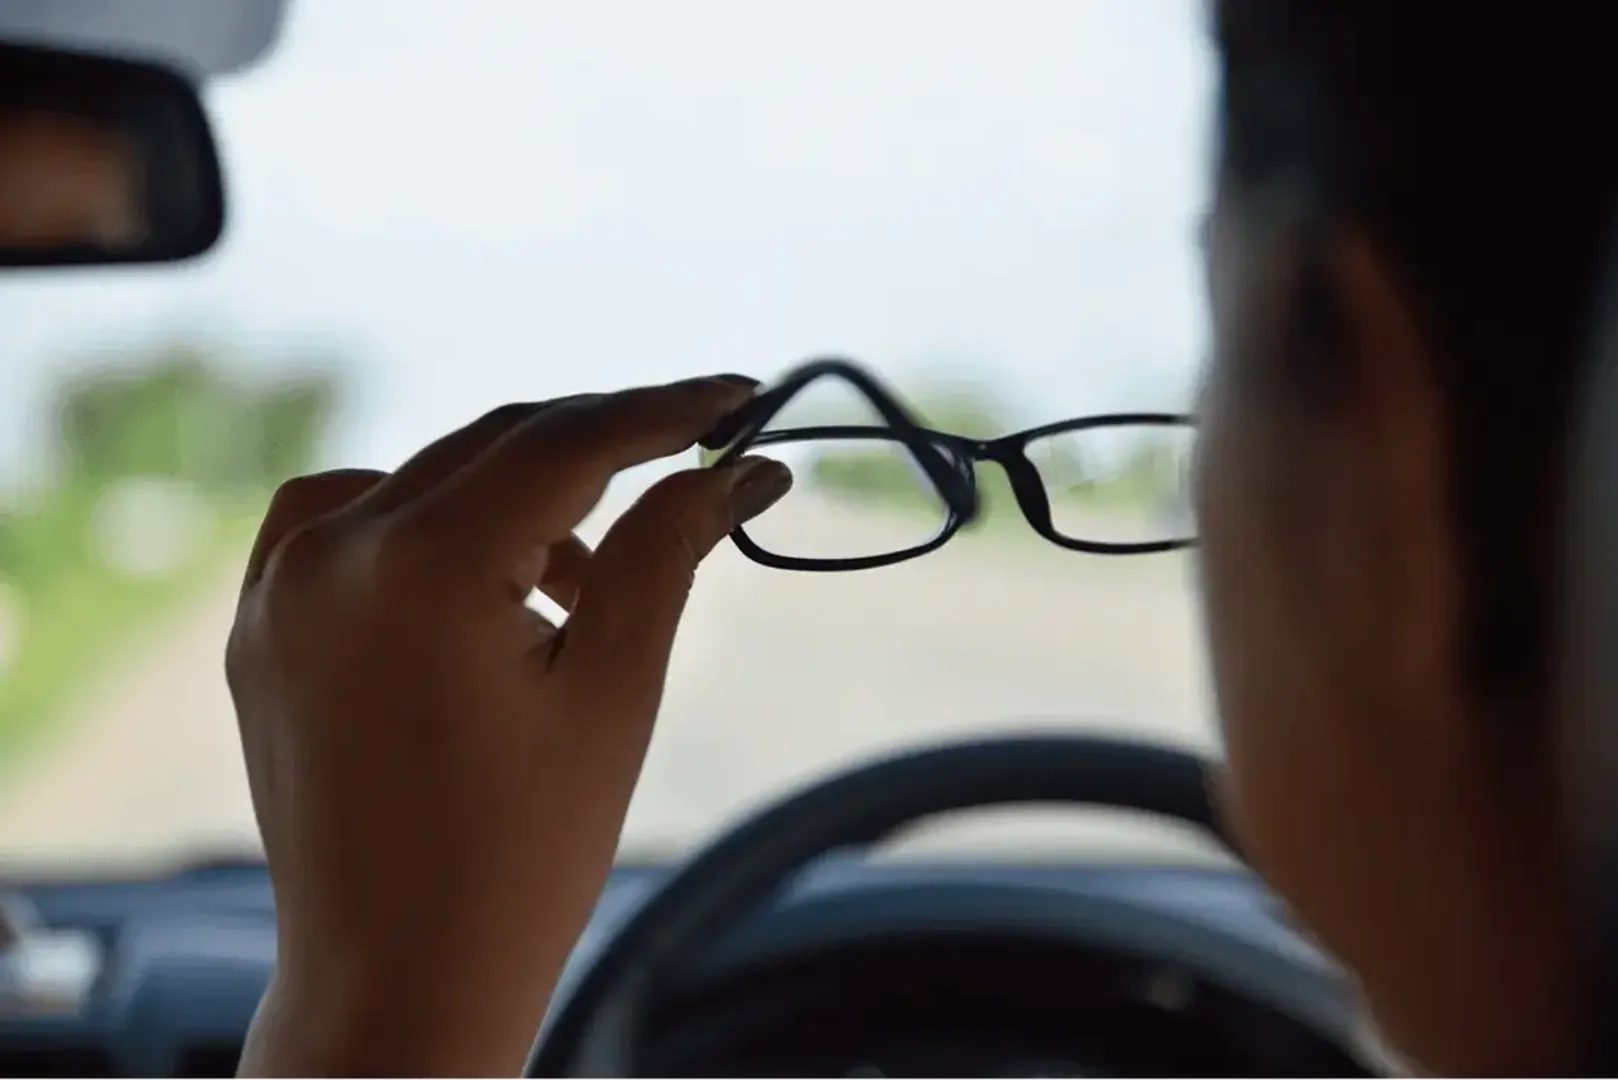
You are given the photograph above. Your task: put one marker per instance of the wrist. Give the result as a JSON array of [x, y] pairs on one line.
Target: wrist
[[410, 1020]]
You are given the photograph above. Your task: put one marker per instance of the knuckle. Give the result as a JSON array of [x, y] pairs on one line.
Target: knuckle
[[235, 648], [532, 416], [505, 416], [241, 647], [687, 505], [292, 496], [570, 403], [688, 492], [302, 554], [299, 517], [410, 544], [570, 427], [579, 442], [305, 497]]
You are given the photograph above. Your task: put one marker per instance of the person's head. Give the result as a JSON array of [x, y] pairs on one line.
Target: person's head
[[1412, 217], [66, 181]]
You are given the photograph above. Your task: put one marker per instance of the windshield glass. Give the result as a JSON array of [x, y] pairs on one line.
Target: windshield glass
[[994, 206]]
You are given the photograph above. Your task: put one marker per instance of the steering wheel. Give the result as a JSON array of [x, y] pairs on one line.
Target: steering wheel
[[598, 1031]]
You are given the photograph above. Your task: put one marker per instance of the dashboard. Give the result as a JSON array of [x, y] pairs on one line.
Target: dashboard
[[858, 968]]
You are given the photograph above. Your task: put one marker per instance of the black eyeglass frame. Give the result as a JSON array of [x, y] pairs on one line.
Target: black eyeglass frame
[[949, 462]]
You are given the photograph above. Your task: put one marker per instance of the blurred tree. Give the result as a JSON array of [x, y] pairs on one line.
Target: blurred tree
[[974, 416], [1060, 462], [287, 425], [77, 558], [44, 541], [883, 475], [177, 414], [1152, 467], [13, 551], [155, 420], [879, 474]]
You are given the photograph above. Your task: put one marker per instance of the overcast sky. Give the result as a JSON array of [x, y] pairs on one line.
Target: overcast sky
[[502, 199]]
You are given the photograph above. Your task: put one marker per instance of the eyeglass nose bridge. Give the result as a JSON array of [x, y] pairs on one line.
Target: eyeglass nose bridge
[[1009, 453], [960, 492]]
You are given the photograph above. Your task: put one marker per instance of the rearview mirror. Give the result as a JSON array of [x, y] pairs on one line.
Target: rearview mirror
[[102, 161]]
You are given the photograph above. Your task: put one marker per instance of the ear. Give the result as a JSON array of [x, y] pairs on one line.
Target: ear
[[1462, 863], [1403, 434]]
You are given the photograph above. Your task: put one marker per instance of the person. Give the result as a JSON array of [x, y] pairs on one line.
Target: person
[[67, 181], [1404, 251]]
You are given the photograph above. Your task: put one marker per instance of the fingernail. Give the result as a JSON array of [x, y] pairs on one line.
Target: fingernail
[[745, 381], [756, 485]]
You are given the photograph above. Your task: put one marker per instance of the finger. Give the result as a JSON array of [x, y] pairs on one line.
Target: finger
[[439, 460], [557, 570], [537, 483], [617, 642], [300, 502]]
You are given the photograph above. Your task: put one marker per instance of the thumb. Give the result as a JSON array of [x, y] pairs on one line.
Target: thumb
[[618, 639]]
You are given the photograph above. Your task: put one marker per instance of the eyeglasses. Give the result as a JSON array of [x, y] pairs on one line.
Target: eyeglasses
[[874, 495]]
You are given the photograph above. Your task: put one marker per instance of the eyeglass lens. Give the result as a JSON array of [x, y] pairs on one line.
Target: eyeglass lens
[[860, 493], [1120, 484]]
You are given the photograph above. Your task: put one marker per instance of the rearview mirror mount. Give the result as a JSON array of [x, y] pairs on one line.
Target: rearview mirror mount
[[102, 161]]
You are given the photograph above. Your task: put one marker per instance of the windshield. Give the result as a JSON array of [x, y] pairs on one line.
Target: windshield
[[994, 206]]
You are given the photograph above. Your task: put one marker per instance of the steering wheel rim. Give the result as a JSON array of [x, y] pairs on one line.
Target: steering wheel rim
[[596, 1033]]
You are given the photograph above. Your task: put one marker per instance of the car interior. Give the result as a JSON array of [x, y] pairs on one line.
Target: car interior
[[778, 951], [777, 946]]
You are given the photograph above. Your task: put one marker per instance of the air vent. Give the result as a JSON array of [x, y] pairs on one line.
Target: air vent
[[48, 973]]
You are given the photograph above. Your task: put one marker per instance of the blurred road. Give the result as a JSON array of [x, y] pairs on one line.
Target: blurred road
[[777, 677]]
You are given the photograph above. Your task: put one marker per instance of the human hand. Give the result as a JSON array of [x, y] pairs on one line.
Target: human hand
[[440, 775]]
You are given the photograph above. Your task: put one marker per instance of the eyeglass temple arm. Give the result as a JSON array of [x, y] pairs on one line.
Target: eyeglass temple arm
[[958, 489]]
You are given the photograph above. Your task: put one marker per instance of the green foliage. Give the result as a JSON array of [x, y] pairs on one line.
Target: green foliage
[[137, 423], [1147, 472], [875, 475], [47, 540], [288, 424], [886, 476], [177, 414], [972, 415]]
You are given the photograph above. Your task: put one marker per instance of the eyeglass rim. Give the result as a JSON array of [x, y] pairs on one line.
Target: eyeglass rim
[[995, 450], [983, 448], [736, 433], [955, 482]]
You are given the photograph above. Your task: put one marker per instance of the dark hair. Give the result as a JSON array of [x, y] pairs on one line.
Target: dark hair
[[1474, 144]]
